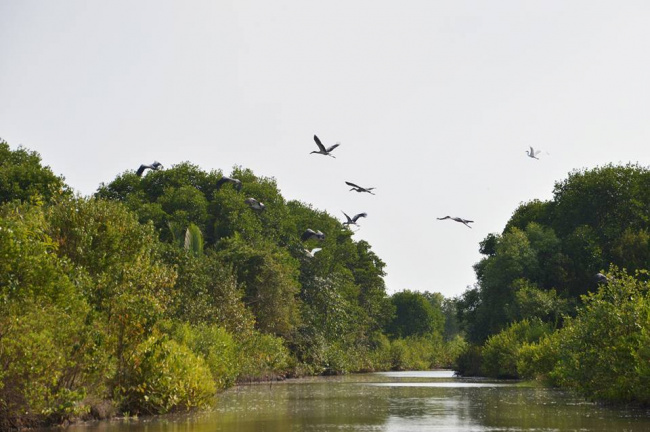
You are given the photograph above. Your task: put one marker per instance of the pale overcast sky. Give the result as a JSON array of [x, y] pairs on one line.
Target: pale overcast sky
[[434, 103]]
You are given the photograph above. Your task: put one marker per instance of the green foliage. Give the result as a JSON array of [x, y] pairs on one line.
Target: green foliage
[[501, 351], [534, 303], [537, 360], [48, 339], [162, 289], [23, 178], [206, 292], [424, 352], [549, 252], [603, 351], [415, 315], [117, 260], [215, 345], [262, 356], [268, 276], [193, 242], [164, 376], [38, 365], [469, 362]]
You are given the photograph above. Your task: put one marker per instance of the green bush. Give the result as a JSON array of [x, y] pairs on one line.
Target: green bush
[[468, 363], [164, 376], [537, 360], [419, 353], [604, 350], [262, 356], [501, 351], [38, 361], [215, 346]]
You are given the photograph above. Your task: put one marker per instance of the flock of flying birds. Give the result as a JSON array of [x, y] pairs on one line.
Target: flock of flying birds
[[309, 233]]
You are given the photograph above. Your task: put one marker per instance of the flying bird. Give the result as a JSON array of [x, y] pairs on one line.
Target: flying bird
[[532, 153], [255, 204], [154, 167], [353, 220], [236, 183], [457, 219], [310, 234], [311, 253], [321, 148], [359, 188]]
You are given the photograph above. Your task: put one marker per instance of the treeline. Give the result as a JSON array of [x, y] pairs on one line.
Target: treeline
[[161, 290], [563, 292]]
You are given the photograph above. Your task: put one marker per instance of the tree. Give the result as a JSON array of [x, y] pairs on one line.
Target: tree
[[549, 252], [414, 315], [22, 177]]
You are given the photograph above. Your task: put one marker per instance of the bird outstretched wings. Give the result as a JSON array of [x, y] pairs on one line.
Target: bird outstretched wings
[[319, 144]]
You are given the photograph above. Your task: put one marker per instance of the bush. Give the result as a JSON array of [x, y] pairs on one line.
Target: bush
[[604, 351], [164, 376], [537, 360], [469, 361], [38, 360], [501, 351], [215, 346], [420, 353], [262, 356]]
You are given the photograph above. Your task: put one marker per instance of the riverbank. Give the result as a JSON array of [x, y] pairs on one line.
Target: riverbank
[[416, 401]]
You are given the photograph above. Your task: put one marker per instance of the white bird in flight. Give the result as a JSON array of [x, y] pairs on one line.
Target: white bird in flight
[[311, 253], [532, 153]]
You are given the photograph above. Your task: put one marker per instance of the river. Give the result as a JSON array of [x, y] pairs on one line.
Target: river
[[390, 402]]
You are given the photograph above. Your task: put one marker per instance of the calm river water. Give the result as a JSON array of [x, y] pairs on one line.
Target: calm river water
[[391, 402]]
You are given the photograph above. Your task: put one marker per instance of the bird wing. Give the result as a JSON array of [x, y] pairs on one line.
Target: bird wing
[[348, 217], [353, 185], [443, 218], [314, 250], [360, 215], [141, 170], [537, 152], [333, 147], [221, 181], [307, 234], [319, 144]]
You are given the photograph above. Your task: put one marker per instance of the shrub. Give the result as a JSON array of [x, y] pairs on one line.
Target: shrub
[[501, 351], [262, 356], [604, 350], [215, 346], [164, 376], [537, 360], [468, 363], [37, 359]]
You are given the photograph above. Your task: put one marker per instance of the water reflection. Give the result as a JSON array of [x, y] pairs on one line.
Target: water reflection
[[390, 402]]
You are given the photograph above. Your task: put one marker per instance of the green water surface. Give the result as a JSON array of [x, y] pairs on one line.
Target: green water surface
[[390, 402]]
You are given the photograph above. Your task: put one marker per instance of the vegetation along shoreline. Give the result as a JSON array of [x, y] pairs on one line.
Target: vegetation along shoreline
[[166, 287]]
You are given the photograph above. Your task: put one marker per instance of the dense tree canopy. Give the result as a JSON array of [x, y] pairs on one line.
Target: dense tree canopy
[[22, 177], [549, 252]]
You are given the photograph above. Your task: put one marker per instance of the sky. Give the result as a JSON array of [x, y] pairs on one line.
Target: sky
[[434, 103]]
